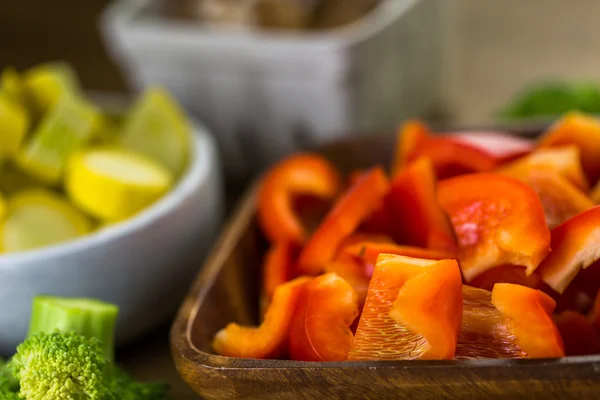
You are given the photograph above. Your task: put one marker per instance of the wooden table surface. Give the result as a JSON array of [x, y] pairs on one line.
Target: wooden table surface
[[499, 46]]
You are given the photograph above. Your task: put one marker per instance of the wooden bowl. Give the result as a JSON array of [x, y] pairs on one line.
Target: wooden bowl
[[227, 288]]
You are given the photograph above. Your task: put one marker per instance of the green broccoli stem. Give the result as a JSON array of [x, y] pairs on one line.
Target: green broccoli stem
[[86, 317]]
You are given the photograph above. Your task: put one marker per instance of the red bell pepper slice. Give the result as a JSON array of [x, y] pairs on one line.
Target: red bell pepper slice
[[498, 221], [322, 332], [582, 131], [413, 311], [269, 339], [574, 247], [298, 175], [413, 204], [342, 220]]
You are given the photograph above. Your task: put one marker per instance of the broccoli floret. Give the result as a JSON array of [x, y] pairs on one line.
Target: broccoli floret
[[123, 387], [9, 386], [61, 366], [87, 317]]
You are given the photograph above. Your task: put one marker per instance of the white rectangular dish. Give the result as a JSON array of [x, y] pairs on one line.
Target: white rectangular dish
[[266, 93]]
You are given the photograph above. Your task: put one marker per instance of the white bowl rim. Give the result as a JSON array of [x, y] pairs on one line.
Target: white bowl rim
[[202, 158]]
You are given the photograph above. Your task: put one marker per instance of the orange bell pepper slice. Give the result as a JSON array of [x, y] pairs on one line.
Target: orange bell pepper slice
[[410, 138], [450, 155], [413, 203], [331, 307], [578, 334], [498, 221], [556, 176], [484, 331], [582, 131], [302, 174], [342, 220], [507, 274], [560, 198], [269, 339], [278, 268], [513, 321], [530, 312], [413, 311], [369, 251], [563, 160], [352, 270], [574, 247], [379, 222]]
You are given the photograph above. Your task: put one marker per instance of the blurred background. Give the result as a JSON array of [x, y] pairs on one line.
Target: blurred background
[[499, 47], [272, 76], [291, 72]]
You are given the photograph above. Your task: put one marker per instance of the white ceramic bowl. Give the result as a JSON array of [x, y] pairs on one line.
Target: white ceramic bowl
[[143, 265]]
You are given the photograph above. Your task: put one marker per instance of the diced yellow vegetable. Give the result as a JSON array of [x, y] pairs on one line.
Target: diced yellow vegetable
[[37, 218], [14, 123], [114, 184], [157, 127], [68, 125], [49, 83]]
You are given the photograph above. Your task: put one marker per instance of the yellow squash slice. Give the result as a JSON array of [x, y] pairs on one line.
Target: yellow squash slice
[[36, 218], [157, 127], [114, 184]]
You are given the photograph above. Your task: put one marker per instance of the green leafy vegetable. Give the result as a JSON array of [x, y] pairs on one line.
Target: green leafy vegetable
[[553, 99]]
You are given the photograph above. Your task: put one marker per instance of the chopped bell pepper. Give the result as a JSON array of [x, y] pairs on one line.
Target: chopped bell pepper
[[352, 270], [498, 221], [560, 198], [342, 220], [322, 332], [410, 138], [269, 339], [484, 331], [369, 251], [530, 312], [413, 311], [413, 204], [302, 174], [574, 247], [278, 268], [582, 131], [563, 160]]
